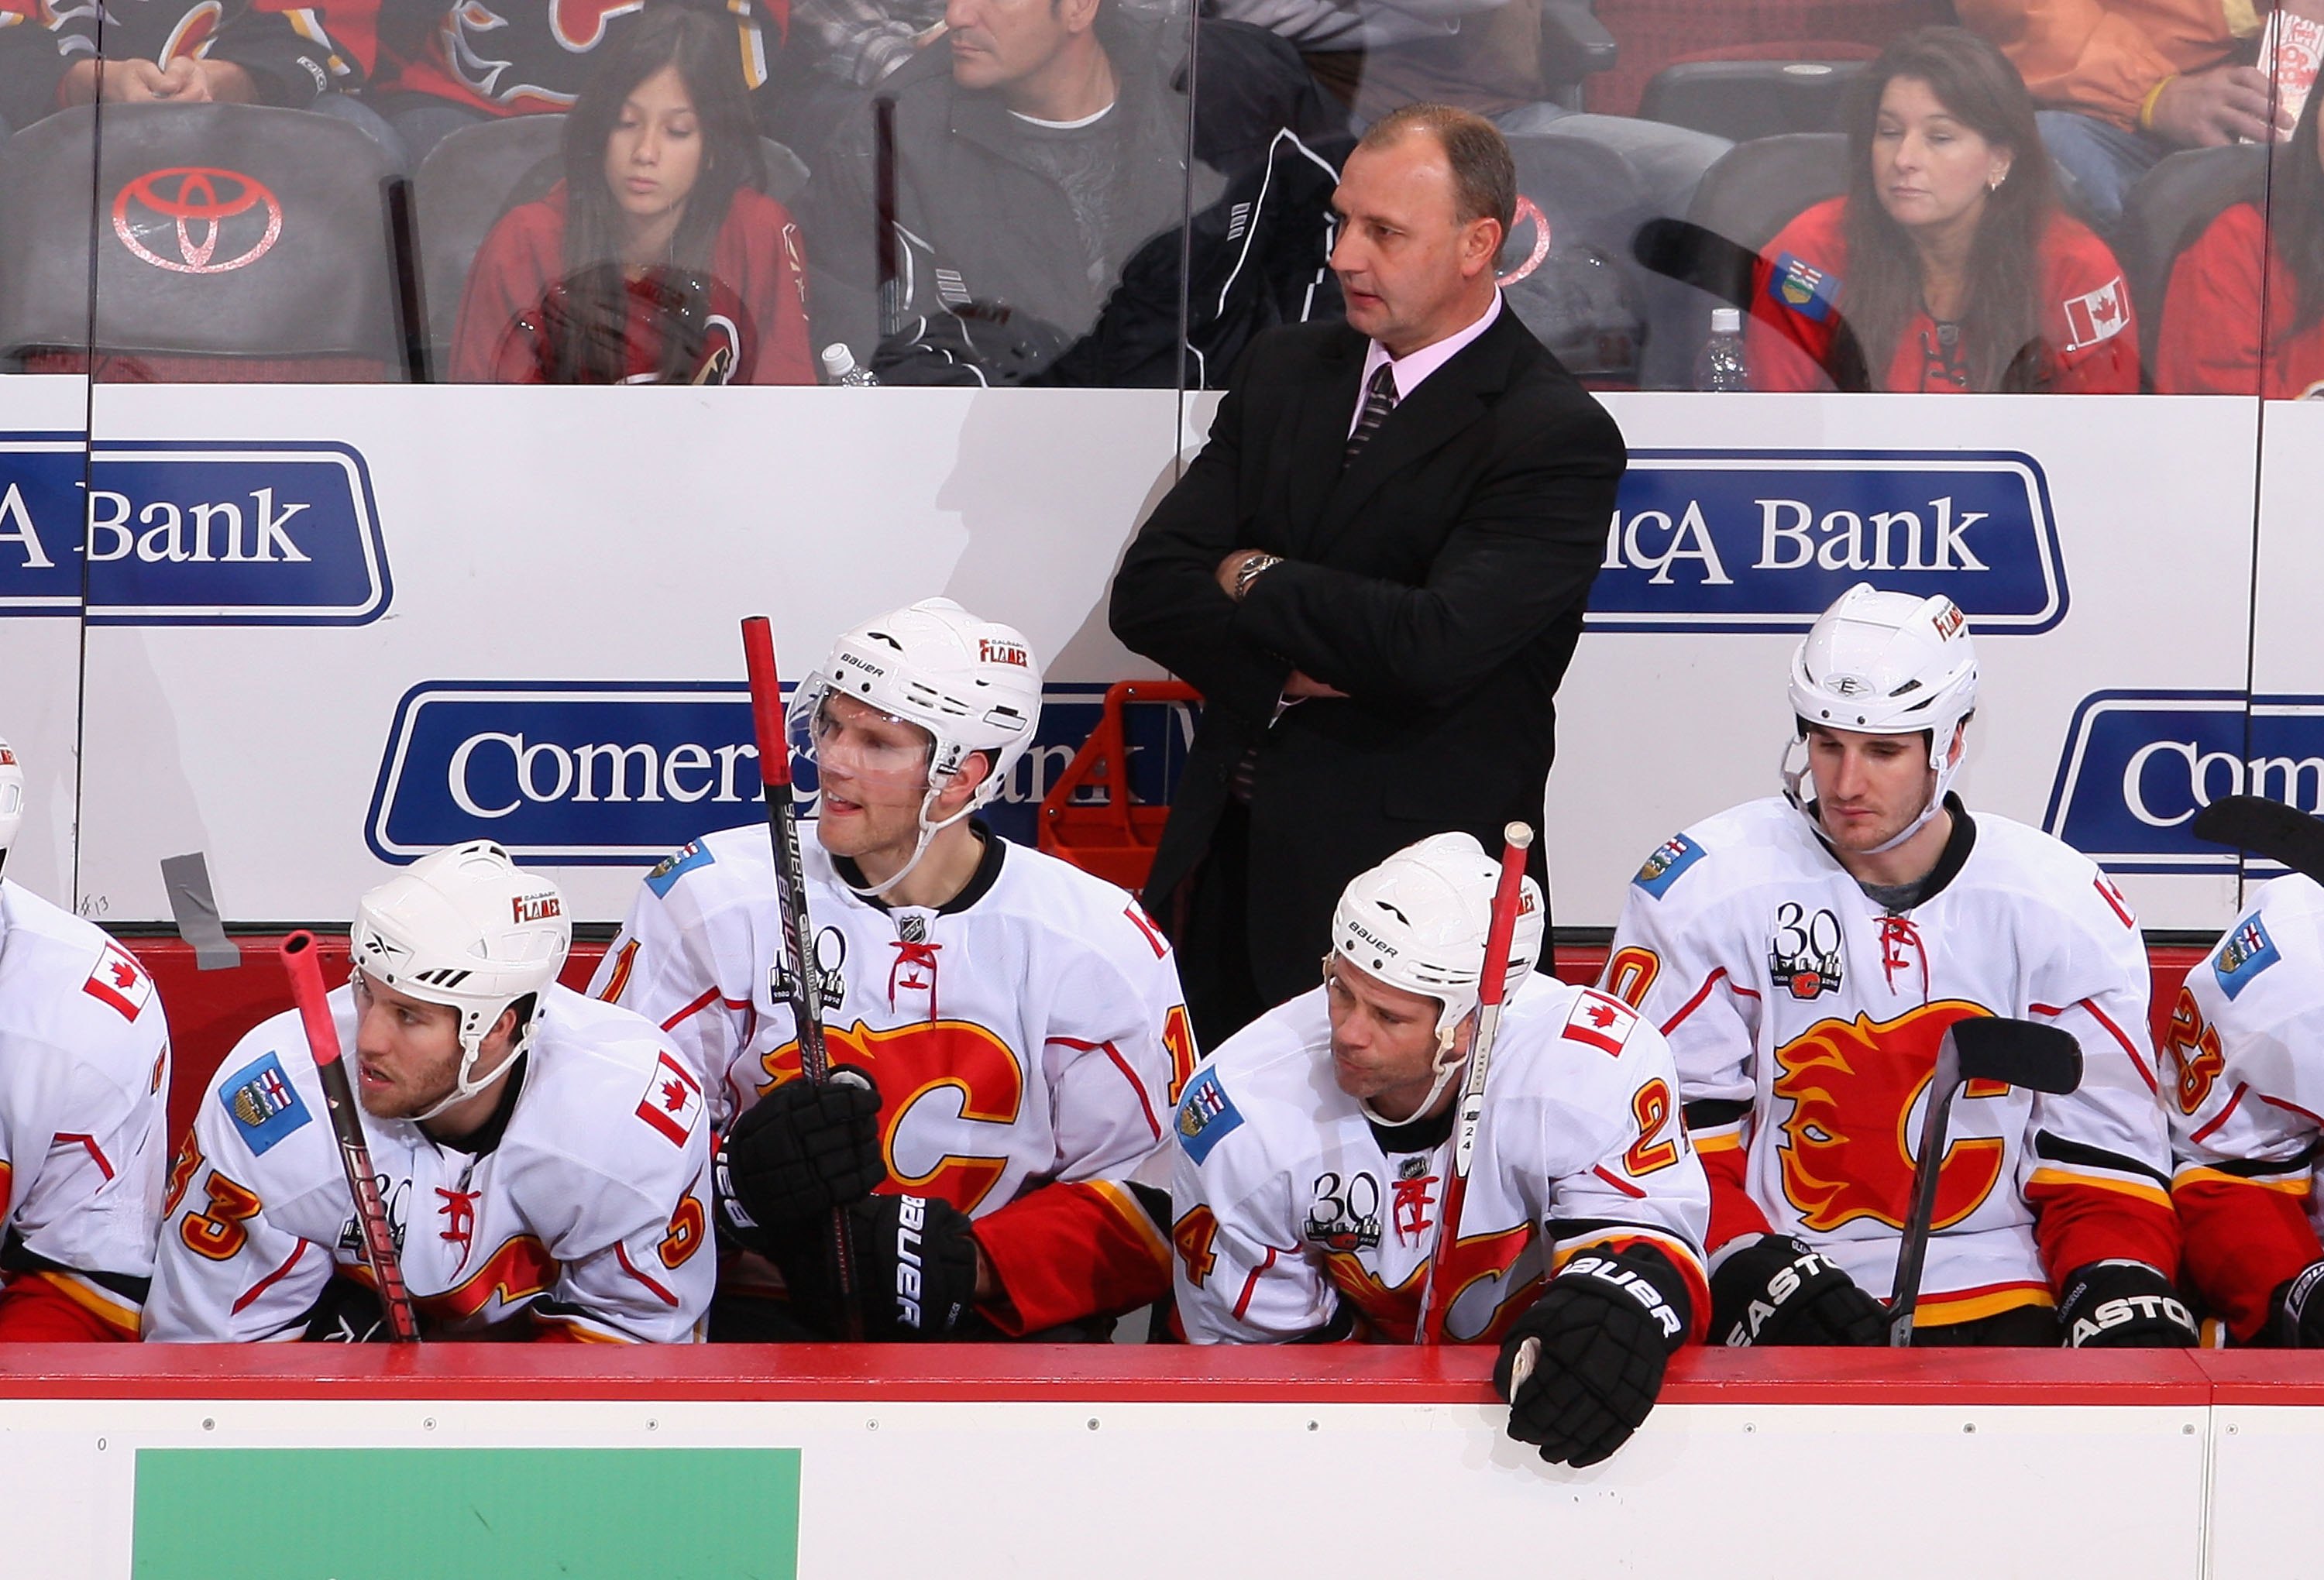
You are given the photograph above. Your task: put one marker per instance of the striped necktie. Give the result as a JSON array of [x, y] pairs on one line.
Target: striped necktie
[[1379, 399]]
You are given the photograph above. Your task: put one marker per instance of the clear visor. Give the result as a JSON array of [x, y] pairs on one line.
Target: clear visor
[[835, 736]]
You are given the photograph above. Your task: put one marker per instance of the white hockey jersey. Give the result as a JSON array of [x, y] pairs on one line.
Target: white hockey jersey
[[2244, 1076], [589, 1215], [1806, 1020], [1027, 1039], [84, 1093], [1290, 1203]]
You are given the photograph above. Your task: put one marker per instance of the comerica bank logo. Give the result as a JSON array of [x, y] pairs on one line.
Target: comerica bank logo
[[184, 533], [1763, 540], [583, 773], [2139, 765]]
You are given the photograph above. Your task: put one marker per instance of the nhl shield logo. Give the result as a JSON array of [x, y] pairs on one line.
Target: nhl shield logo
[[191, 219]]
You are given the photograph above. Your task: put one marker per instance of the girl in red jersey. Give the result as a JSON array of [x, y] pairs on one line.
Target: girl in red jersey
[[2213, 342], [656, 260], [1948, 266]]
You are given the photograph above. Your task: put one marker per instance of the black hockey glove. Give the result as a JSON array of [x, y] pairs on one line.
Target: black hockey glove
[[2295, 1315], [1582, 1368], [347, 1312], [797, 1152], [915, 1267], [2124, 1305], [1782, 1291]]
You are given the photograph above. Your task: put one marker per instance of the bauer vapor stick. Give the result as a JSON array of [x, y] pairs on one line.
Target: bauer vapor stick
[[2016, 1053], [2269, 830], [378, 1244], [791, 887], [1436, 1293]]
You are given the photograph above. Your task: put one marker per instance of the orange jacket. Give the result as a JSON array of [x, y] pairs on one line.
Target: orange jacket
[[2105, 57]]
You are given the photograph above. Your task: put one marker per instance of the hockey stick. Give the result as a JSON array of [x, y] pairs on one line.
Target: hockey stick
[[2017, 1053], [378, 1245], [1435, 1297], [2269, 830], [883, 211], [791, 887]]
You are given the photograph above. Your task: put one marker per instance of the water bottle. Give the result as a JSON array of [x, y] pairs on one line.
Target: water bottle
[[840, 367], [1720, 366]]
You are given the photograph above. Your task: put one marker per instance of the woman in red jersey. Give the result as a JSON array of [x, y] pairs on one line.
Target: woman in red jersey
[[656, 260], [1948, 267], [2213, 341]]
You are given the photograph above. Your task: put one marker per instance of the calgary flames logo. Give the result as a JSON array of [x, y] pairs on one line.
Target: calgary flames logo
[[203, 213], [922, 1129], [1846, 1150], [1485, 1299]]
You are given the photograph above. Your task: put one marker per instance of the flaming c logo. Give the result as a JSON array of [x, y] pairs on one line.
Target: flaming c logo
[[1847, 1147], [911, 1064], [214, 221], [1487, 1259]]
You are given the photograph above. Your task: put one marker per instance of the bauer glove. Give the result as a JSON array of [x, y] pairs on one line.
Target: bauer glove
[[2124, 1305], [1782, 1291], [347, 1312], [1583, 1367], [799, 1152], [915, 1267], [2295, 1315]]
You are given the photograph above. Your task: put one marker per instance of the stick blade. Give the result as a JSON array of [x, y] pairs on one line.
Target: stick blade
[[2270, 829], [2020, 1053]]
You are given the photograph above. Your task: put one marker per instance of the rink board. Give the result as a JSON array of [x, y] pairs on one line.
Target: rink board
[[310, 630], [987, 1460]]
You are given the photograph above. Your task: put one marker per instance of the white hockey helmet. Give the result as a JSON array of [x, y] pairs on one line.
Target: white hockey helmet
[[1419, 921], [973, 685], [11, 796], [1884, 664], [464, 927]]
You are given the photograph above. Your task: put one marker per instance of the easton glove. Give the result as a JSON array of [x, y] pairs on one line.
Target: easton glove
[[797, 1152], [1583, 1367], [2295, 1317], [915, 1267], [2124, 1305], [1782, 1291], [347, 1312]]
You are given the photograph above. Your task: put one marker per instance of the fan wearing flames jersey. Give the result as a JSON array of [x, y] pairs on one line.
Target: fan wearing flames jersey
[[189, 51], [1804, 955], [1314, 1147], [1005, 1030], [2248, 1115], [84, 1084], [544, 1159]]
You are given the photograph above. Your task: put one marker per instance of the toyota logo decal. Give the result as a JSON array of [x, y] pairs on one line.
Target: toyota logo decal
[[216, 221], [1527, 211]]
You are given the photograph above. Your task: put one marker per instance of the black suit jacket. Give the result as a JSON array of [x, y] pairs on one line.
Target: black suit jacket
[[1438, 580]]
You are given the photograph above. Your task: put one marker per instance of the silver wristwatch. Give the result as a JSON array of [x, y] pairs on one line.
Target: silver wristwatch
[[1249, 572]]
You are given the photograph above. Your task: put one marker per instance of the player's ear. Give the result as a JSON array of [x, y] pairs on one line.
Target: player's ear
[[973, 768]]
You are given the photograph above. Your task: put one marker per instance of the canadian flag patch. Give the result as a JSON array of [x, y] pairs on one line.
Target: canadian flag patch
[[120, 982], [673, 1100], [2098, 316], [1602, 1022]]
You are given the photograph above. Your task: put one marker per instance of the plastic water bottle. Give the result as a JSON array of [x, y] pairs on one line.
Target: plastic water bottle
[[840, 367], [1720, 366]]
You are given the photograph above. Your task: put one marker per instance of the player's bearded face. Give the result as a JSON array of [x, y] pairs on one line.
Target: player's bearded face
[[407, 1050], [1383, 1038], [1869, 787]]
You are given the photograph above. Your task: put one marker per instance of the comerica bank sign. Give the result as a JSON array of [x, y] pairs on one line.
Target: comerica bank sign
[[2138, 765], [614, 773], [1763, 540], [174, 533]]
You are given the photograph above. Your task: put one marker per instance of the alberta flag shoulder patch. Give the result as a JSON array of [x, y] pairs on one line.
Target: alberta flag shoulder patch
[[264, 1104], [1204, 1115], [2242, 956], [676, 864], [1802, 287], [1672, 856]]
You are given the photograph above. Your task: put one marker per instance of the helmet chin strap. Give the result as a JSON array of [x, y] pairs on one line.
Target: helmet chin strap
[[929, 829], [1794, 778], [471, 1050]]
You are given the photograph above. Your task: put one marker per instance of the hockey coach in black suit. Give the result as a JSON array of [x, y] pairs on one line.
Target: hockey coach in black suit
[[1374, 573]]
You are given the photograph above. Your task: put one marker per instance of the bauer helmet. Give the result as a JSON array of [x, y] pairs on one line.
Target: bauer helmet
[[973, 685], [464, 927], [1884, 663], [1419, 921], [11, 796]]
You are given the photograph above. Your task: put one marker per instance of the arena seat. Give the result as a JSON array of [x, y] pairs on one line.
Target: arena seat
[[233, 242], [1651, 34], [1566, 268], [1782, 89], [478, 173], [2171, 206]]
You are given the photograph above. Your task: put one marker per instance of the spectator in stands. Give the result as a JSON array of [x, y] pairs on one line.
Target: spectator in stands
[[188, 51], [1039, 145], [2121, 83], [1948, 266], [655, 260], [476, 61], [2249, 265]]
